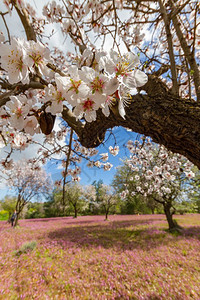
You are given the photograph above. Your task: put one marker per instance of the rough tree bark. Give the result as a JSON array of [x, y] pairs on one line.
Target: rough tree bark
[[166, 118]]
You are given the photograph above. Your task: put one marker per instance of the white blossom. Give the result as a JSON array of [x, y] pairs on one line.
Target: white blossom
[[107, 166], [114, 151], [13, 61]]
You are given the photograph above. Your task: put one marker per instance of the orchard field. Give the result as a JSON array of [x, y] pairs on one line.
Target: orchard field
[[127, 257]]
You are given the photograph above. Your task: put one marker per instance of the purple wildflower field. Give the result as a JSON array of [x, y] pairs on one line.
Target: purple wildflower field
[[127, 257]]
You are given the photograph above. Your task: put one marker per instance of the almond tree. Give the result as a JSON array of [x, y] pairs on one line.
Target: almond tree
[[107, 199], [28, 181], [102, 197], [75, 197], [94, 90], [156, 173]]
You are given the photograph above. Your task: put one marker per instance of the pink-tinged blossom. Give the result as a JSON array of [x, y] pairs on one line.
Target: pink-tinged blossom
[[13, 61], [164, 172], [190, 174], [99, 84], [87, 108], [135, 79], [18, 110], [37, 56], [90, 164], [124, 68], [53, 11], [31, 125], [68, 25], [55, 99], [76, 178], [137, 177], [93, 152], [120, 66], [20, 140], [106, 105], [97, 164], [76, 88]]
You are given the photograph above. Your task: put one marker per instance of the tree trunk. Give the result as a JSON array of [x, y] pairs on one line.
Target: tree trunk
[[167, 119], [106, 216], [172, 225], [16, 220], [63, 209], [75, 212], [18, 209]]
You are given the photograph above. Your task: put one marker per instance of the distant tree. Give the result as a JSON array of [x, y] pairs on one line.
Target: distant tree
[[53, 207], [107, 199], [76, 198], [156, 173], [194, 193], [97, 185], [35, 210], [102, 197], [8, 204], [93, 194], [186, 206], [28, 180]]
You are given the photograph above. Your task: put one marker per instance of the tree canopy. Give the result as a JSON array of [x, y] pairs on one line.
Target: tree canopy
[[149, 82]]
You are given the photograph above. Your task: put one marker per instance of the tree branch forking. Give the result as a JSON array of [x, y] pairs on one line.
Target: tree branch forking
[[175, 88]]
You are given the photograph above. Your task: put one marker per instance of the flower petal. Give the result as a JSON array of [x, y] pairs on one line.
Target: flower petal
[[140, 77], [121, 109]]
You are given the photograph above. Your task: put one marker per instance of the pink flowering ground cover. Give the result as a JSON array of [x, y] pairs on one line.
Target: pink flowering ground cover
[[127, 257]]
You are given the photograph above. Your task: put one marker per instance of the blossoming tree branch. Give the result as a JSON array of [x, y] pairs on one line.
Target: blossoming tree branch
[[92, 89]]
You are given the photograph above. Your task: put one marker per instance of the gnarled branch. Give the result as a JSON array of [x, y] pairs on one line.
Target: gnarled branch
[[167, 119]]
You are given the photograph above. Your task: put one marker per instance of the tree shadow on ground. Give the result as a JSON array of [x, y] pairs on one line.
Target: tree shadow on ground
[[65, 220], [121, 235]]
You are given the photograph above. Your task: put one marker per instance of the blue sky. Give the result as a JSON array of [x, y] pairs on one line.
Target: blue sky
[[88, 175]]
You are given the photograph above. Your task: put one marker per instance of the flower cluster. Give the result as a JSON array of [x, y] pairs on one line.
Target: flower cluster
[[21, 58], [87, 89]]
